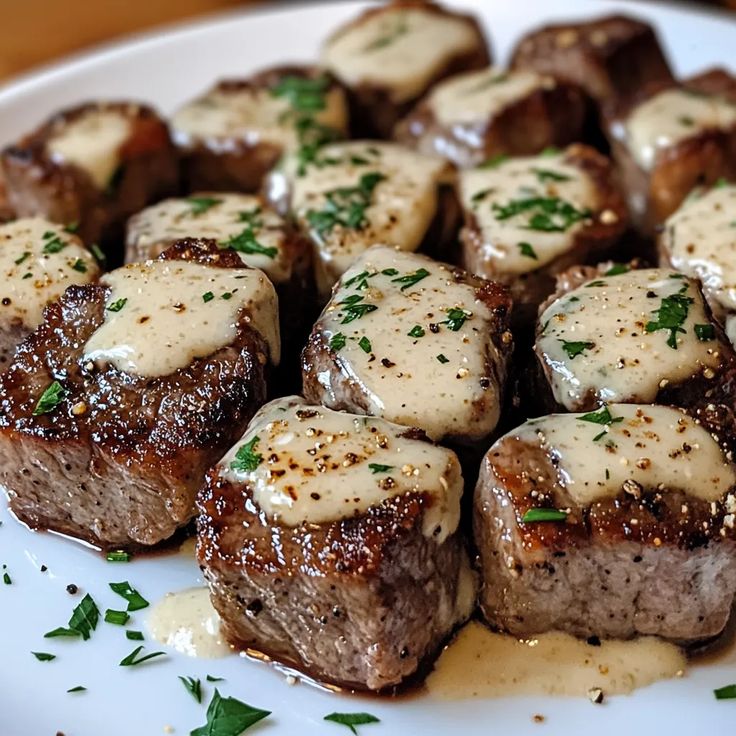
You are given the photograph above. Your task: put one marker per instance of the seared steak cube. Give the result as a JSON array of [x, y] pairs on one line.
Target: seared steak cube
[[235, 133], [329, 542], [356, 194], [415, 341], [473, 117], [114, 408], [615, 523], [610, 57], [38, 261], [528, 218], [699, 239], [93, 165], [669, 140], [390, 56]]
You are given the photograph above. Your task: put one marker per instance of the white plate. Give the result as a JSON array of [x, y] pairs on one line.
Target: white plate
[[166, 69]]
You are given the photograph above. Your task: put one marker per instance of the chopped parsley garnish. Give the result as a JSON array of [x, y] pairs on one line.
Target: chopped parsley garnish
[[351, 720], [456, 318], [671, 315], [229, 717], [117, 305], [728, 692], [100, 257], [135, 600], [617, 269], [596, 284], [118, 556], [400, 27], [71, 228], [83, 620], [546, 214], [211, 678], [337, 341], [378, 468], [246, 458], [200, 205], [304, 94], [480, 195], [411, 279], [77, 689], [193, 687], [6, 576], [226, 295], [443, 358], [50, 399], [25, 256], [601, 416], [52, 243], [246, 242], [494, 161], [119, 618], [208, 296], [527, 250], [686, 120], [252, 217], [575, 348], [416, 331], [360, 280], [365, 344], [312, 136], [134, 635], [354, 308], [539, 514], [345, 206], [550, 151], [390, 272], [705, 332], [43, 656], [79, 265], [132, 660], [545, 175], [27, 275]]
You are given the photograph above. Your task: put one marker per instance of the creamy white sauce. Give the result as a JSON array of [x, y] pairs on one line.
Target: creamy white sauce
[[164, 321], [502, 253], [93, 142], [700, 240], [401, 207], [620, 360], [670, 117], [654, 446], [187, 622], [479, 96], [401, 375], [36, 269], [480, 663], [226, 118], [314, 465], [156, 227], [400, 49]]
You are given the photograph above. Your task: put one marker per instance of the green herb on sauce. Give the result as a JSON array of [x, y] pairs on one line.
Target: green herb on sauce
[[246, 458], [542, 514], [705, 332], [337, 342], [456, 318], [208, 296], [671, 315], [304, 94], [601, 416], [546, 175], [545, 214], [378, 468], [443, 358], [574, 348], [246, 242], [527, 250], [411, 279], [353, 307], [53, 395], [365, 344], [416, 331], [398, 29], [200, 205], [117, 305], [617, 269], [52, 243]]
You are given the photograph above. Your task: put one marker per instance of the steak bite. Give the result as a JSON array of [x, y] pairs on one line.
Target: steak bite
[[114, 408], [615, 523], [389, 56], [669, 140], [699, 239], [38, 261], [472, 117], [93, 165], [635, 337], [356, 194], [418, 342], [234, 134], [611, 57], [330, 543], [528, 218]]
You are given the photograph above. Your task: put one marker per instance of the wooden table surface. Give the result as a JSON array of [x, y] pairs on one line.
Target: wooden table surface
[[34, 32]]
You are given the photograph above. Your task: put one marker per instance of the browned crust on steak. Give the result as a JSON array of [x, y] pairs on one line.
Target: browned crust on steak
[[545, 117], [152, 437], [610, 57], [64, 193], [590, 243], [373, 113], [238, 165]]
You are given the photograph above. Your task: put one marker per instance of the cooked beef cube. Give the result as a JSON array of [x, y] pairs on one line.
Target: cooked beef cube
[[614, 523], [699, 239], [38, 260], [528, 218], [669, 140], [418, 342], [114, 408], [353, 195], [473, 117], [390, 56], [93, 165], [329, 542], [235, 133], [610, 57]]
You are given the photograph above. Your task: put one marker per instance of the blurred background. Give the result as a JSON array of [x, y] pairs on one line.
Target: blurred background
[[34, 32]]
